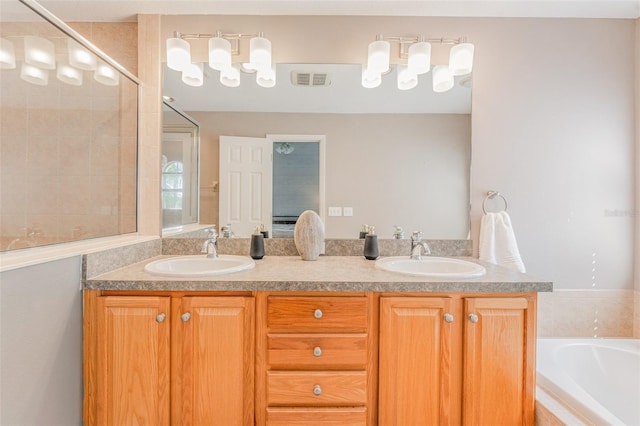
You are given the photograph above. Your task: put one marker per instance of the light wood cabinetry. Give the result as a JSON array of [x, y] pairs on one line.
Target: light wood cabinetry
[[169, 359], [319, 359], [426, 341]]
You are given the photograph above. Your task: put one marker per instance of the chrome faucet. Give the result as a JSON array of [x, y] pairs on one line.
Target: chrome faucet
[[417, 245], [210, 245]]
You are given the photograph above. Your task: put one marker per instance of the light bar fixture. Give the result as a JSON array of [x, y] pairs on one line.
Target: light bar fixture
[[79, 57], [68, 74], [222, 48], [416, 51], [106, 75], [34, 75]]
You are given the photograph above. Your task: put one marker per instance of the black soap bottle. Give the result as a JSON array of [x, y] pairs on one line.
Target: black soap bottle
[[257, 245], [371, 245]]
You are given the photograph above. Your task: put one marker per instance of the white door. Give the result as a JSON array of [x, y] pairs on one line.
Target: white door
[[245, 183]]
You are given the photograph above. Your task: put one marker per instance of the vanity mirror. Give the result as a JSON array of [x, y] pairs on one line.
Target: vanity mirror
[[392, 157]]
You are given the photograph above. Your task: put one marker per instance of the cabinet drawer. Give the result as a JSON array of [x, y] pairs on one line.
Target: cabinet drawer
[[334, 416], [295, 388], [317, 351], [316, 314]]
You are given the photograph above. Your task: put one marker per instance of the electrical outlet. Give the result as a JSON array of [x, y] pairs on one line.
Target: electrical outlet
[[348, 211], [335, 211]]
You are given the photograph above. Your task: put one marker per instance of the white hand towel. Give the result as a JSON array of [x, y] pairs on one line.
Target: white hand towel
[[498, 242]]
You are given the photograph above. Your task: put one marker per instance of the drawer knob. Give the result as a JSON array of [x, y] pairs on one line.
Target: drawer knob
[[317, 351], [473, 318], [317, 390], [448, 317], [317, 313], [160, 318], [185, 317]]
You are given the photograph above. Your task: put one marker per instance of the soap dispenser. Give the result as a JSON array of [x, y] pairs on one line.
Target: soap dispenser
[[371, 245], [257, 244], [364, 230]]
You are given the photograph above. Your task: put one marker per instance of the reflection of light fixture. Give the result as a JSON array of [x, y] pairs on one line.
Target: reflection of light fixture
[[283, 148], [266, 78], [193, 75], [222, 48], [34, 75], [68, 74], [230, 77], [7, 54], [39, 52], [417, 53], [406, 78], [442, 79], [79, 57], [106, 75]]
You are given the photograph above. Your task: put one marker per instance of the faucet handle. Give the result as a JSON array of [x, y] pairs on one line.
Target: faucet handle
[[416, 235], [211, 232]]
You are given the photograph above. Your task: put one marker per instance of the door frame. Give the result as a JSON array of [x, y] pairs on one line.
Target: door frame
[[321, 140]]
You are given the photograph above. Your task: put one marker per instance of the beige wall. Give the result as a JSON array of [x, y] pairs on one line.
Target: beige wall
[[553, 124], [636, 322], [405, 169]]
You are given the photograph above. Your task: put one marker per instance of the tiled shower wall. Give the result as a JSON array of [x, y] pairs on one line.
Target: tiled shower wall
[[589, 313], [68, 162]]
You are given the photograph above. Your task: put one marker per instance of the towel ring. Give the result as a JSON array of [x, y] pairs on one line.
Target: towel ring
[[490, 196]]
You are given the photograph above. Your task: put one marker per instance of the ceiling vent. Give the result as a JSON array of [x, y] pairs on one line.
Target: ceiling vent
[[312, 79]]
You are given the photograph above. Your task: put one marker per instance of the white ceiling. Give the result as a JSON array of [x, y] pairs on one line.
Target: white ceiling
[[119, 10]]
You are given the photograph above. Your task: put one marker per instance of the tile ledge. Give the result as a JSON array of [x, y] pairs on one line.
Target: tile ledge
[[44, 254]]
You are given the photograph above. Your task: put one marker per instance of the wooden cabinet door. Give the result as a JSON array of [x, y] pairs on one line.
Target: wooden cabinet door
[[133, 360], [418, 383], [217, 360], [499, 361]]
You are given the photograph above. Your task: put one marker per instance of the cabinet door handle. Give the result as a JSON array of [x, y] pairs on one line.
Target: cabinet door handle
[[317, 390], [185, 317], [448, 317], [160, 318], [473, 318], [317, 314], [317, 351]]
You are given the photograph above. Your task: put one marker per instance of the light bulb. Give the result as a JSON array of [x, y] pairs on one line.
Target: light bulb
[[378, 56], [406, 79], [178, 54], [419, 61], [68, 74], [219, 53], [230, 77], [461, 59], [193, 75], [7, 55], [39, 52], [79, 57], [370, 79], [259, 53], [266, 78], [442, 79], [106, 75], [34, 75]]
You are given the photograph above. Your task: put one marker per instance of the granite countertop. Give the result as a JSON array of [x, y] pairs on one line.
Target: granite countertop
[[328, 273]]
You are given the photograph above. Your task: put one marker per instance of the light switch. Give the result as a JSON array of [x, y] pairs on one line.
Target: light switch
[[335, 211], [348, 211]]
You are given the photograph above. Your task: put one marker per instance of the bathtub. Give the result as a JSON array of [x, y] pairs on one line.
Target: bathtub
[[597, 379]]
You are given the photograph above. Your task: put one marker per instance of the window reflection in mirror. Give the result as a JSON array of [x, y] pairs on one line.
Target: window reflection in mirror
[[180, 159]]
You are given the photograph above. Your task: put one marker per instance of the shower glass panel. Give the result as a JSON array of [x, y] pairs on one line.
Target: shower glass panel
[[68, 138]]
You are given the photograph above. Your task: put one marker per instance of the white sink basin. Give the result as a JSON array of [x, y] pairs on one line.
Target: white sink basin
[[199, 265], [441, 267]]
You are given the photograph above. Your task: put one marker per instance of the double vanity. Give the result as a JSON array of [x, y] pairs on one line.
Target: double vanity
[[282, 341]]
